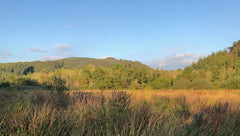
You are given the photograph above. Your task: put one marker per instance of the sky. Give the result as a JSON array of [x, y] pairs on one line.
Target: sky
[[164, 34]]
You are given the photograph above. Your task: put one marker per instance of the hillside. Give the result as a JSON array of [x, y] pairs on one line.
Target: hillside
[[22, 68], [218, 67]]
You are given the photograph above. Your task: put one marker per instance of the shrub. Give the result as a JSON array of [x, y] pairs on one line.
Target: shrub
[[199, 84], [182, 84], [232, 83], [59, 84], [160, 83], [24, 81], [5, 84]]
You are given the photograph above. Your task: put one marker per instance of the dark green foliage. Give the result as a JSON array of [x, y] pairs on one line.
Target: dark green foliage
[[4, 84], [21, 68], [141, 76], [29, 69], [23, 81], [59, 64], [99, 76], [26, 82]]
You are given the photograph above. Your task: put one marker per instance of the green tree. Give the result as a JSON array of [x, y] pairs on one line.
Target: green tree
[[98, 78], [160, 83]]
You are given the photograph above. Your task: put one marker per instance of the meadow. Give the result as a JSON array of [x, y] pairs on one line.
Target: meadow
[[32, 111]]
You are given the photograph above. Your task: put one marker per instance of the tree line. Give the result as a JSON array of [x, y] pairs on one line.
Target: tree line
[[216, 71], [91, 77]]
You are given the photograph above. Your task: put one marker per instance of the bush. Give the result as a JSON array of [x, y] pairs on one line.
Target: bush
[[232, 83], [182, 84], [30, 82], [5, 84], [24, 81], [199, 84], [59, 84], [160, 83]]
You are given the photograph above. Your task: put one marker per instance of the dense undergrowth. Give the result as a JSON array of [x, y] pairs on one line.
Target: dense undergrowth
[[37, 112]]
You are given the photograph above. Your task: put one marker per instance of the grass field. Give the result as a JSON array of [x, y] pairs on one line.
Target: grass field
[[139, 112]]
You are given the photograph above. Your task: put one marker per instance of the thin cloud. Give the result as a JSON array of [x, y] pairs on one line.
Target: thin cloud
[[36, 49], [175, 61], [6, 53], [59, 50], [174, 48], [104, 57], [60, 47], [45, 58]]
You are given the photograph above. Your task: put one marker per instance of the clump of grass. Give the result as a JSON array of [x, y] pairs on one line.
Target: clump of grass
[[118, 111], [212, 120], [180, 108]]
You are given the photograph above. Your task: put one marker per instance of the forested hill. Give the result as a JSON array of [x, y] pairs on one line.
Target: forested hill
[[216, 67], [22, 68]]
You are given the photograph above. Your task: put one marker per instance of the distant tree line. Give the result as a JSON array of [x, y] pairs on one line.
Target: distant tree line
[[220, 70]]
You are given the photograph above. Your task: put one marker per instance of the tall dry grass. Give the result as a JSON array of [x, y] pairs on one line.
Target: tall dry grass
[[163, 112]]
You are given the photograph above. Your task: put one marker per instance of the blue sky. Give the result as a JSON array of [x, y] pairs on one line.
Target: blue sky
[[168, 34]]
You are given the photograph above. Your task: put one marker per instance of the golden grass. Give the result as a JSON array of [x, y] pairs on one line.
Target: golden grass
[[146, 112], [194, 98], [232, 96]]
